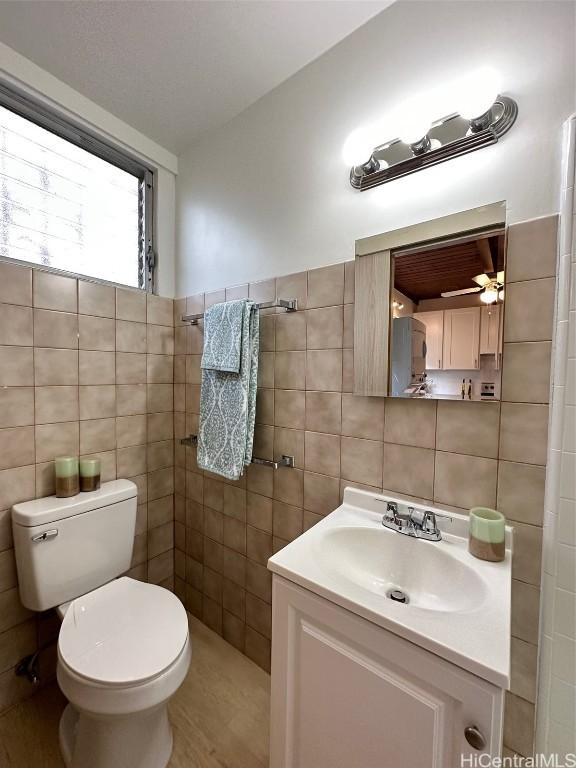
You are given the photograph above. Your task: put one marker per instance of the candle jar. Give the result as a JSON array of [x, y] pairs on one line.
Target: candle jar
[[89, 474], [487, 534], [66, 472]]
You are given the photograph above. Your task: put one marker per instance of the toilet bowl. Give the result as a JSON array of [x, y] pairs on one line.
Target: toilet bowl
[[123, 651]]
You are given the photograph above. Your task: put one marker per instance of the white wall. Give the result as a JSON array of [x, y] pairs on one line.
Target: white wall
[[30, 78], [268, 194], [557, 676]]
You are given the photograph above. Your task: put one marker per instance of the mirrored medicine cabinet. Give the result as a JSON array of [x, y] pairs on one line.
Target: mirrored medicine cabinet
[[429, 308]]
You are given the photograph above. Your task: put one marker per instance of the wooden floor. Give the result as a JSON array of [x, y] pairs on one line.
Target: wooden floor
[[220, 714]]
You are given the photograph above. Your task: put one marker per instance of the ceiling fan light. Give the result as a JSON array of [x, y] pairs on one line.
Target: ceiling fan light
[[489, 296]]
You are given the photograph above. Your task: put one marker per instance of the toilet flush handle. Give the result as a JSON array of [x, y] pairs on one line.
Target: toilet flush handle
[[45, 535]]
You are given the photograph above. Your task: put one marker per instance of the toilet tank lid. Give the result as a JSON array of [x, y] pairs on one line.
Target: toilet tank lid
[[51, 508]]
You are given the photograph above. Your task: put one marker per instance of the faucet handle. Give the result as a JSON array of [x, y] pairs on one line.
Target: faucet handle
[[392, 511], [392, 516], [429, 523]]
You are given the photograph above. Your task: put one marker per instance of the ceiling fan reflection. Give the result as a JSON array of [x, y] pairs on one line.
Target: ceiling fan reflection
[[490, 285]]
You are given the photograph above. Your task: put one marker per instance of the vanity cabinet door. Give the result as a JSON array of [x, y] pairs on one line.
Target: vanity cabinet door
[[434, 322], [349, 694], [462, 339]]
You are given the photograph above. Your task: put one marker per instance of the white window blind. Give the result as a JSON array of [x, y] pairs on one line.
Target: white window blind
[[63, 207]]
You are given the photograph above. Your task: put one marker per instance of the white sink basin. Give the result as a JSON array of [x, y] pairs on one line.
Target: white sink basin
[[458, 606], [380, 560]]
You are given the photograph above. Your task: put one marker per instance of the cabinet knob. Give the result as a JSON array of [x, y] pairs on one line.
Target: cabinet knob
[[475, 737]]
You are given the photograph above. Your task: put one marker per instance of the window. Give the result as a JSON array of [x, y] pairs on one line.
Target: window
[[69, 201]]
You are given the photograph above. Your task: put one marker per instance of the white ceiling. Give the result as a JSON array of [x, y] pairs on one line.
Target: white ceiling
[[174, 69]]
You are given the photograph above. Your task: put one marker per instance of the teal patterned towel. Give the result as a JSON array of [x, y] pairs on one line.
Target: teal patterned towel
[[228, 398], [223, 336]]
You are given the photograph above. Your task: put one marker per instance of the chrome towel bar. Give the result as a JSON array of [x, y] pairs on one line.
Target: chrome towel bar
[[290, 305], [284, 461]]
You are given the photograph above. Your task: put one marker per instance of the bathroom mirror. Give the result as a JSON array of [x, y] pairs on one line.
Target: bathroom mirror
[[430, 308]]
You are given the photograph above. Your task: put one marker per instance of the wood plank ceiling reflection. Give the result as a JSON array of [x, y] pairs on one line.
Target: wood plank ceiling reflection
[[428, 273]]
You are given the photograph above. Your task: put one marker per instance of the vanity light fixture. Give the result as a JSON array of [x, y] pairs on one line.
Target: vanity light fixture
[[476, 116]]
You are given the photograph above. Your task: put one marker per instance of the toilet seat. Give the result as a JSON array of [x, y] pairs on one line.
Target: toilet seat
[[109, 701], [124, 634]]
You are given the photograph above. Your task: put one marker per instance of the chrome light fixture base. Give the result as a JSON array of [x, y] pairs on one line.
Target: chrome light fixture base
[[422, 146], [395, 159]]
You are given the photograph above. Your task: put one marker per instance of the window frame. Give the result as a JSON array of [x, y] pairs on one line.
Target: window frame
[[67, 128]]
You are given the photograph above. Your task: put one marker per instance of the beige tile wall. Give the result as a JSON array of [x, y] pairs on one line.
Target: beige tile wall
[[85, 369], [90, 369], [450, 453]]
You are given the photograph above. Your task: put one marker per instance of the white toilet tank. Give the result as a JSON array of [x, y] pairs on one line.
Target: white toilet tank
[[68, 547]]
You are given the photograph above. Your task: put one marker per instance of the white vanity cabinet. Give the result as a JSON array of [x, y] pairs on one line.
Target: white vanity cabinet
[[434, 322], [462, 339], [347, 693]]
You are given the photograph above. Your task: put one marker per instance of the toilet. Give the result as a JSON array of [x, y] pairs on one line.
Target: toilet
[[123, 646]]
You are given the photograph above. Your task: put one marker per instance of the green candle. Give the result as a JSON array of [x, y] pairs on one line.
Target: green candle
[[487, 539], [89, 474], [66, 466], [66, 471], [89, 467]]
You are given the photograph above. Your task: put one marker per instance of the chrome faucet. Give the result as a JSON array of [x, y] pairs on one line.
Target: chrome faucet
[[422, 524]]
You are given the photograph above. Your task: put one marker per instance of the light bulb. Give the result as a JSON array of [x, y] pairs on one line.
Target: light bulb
[[489, 296], [413, 129], [476, 93], [359, 146], [501, 295], [413, 121]]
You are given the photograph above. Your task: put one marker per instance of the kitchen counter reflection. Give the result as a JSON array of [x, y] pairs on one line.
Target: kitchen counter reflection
[[437, 396]]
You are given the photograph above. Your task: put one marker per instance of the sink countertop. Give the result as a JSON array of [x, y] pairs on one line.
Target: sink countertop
[[474, 635]]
